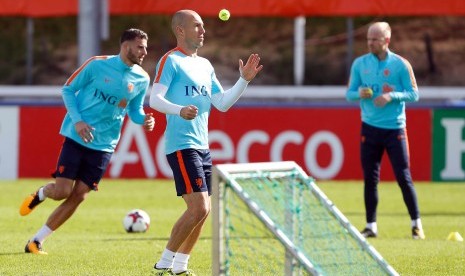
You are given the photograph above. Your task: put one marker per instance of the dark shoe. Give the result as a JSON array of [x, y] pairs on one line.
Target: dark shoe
[[34, 247], [29, 203], [368, 233], [418, 234], [187, 272]]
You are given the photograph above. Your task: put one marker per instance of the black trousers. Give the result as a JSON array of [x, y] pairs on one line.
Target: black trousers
[[374, 142]]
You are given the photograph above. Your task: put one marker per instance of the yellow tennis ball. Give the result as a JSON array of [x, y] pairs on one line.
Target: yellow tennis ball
[[224, 15]]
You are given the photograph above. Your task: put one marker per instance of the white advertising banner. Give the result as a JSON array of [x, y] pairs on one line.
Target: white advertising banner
[[9, 138]]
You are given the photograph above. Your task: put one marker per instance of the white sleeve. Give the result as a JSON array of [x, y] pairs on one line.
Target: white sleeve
[[223, 101], [159, 103]]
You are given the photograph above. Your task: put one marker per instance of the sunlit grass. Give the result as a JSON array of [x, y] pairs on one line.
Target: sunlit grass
[[93, 241]]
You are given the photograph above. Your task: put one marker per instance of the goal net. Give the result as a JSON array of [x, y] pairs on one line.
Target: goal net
[[272, 219]]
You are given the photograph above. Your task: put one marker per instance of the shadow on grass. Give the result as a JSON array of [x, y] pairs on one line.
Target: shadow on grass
[[423, 214], [134, 238], [12, 253]]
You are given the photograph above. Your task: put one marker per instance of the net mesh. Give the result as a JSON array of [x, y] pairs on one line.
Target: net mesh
[[289, 200]]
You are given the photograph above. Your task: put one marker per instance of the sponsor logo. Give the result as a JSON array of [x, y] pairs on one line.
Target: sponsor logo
[[194, 90], [105, 97]]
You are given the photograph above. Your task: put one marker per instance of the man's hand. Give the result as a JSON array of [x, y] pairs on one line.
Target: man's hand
[[189, 112], [149, 122], [382, 100], [365, 92], [251, 68], [85, 131]]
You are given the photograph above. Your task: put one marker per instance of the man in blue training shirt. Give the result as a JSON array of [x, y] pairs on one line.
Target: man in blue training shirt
[[97, 97], [383, 81], [184, 88]]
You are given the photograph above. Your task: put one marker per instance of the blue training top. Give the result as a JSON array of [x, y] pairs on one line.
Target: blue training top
[[190, 81], [100, 93], [394, 75]]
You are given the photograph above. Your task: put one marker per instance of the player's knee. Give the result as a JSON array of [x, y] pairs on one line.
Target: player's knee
[[79, 197], [62, 194], [201, 212], [57, 192]]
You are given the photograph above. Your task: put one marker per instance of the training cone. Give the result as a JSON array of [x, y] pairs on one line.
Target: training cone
[[455, 236]]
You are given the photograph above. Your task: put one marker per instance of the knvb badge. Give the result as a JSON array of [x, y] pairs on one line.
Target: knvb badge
[[130, 87]]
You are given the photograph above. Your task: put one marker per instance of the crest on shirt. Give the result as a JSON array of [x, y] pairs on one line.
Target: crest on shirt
[[387, 88], [123, 103], [386, 72], [130, 87]]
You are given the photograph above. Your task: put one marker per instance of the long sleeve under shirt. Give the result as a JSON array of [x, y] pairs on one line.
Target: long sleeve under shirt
[[190, 81], [100, 93], [394, 75]]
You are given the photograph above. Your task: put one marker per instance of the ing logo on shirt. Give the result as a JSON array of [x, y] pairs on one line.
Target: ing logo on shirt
[[108, 98], [196, 90]]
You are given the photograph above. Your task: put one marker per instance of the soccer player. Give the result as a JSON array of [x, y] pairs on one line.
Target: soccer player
[[383, 81], [184, 88], [97, 97]]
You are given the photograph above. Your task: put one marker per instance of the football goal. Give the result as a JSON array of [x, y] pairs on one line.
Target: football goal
[[272, 219]]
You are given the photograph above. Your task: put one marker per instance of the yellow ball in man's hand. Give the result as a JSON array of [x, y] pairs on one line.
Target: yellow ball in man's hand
[[370, 92], [224, 15]]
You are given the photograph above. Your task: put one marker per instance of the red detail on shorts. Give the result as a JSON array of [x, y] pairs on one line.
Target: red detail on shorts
[[61, 169], [185, 176], [199, 182]]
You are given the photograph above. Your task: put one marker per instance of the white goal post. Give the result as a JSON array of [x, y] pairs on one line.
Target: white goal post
[[227, 179]]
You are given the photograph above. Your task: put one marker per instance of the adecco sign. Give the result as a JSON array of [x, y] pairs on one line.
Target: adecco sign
[[449, 145], [324, 141], [9, 132]]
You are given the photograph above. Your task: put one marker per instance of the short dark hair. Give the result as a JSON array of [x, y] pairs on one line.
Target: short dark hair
[[131, 34]]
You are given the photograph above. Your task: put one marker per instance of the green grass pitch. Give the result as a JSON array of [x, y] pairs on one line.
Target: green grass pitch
[[93, 241]]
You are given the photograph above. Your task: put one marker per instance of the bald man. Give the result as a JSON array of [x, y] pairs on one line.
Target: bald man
[[383, 82], [185, 88]]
